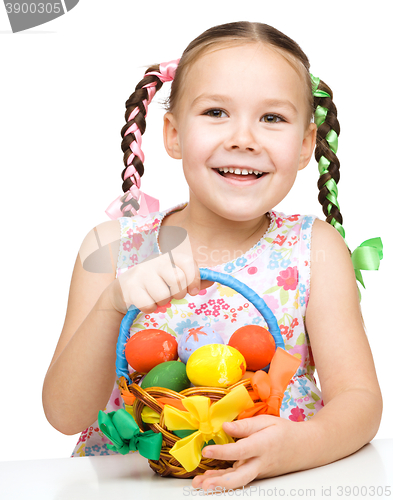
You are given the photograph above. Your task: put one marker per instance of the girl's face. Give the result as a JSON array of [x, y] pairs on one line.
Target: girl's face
[[243, 107]]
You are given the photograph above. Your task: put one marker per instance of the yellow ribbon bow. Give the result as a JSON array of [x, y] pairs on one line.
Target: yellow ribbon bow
[[206, 419]]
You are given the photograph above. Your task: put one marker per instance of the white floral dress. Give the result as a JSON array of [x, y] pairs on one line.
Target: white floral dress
[[277, 268]]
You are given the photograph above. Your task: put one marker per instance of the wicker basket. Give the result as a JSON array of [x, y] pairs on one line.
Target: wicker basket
[[167, 465]]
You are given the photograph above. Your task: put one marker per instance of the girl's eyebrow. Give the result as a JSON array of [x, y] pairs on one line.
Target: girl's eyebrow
[[281, 103], [211, 97], [222, 99]]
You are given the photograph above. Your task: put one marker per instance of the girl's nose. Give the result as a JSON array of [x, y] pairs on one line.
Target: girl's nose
[[243, 138]]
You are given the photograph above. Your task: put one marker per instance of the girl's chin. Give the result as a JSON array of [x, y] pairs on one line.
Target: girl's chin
[[233, 209]]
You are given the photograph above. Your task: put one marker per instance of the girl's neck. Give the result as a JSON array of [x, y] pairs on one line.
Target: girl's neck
[[215, 240]]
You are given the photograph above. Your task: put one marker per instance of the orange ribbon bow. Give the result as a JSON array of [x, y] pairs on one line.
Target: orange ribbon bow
[[270, 387], [126, 394]]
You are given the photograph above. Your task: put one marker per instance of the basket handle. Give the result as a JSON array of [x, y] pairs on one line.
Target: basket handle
[[205, 274]]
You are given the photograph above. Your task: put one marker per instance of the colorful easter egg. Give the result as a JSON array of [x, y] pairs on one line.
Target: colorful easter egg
[[171, 375], [194, 338], [215, 365], [148, 348], [256, 344]]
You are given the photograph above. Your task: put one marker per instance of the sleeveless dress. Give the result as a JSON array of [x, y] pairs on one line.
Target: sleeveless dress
[[277, 268]]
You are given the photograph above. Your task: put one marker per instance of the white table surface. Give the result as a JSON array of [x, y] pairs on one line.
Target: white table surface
[[367, 473]]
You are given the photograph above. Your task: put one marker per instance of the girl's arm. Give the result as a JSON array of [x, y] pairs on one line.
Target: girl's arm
[[351, 393], [345, 366], [81, 375]]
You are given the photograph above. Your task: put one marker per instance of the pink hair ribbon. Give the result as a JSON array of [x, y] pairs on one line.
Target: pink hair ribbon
[[167, 71], [147, 204]]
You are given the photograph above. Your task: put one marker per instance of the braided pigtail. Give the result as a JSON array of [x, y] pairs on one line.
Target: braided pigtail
[[325, 116], [133, 158], [369, 254], [133, 200]]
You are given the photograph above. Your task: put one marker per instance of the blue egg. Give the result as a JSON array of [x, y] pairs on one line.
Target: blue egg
[[194, 338]]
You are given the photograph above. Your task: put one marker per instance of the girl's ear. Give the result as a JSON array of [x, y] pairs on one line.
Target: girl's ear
[[308, 146], [171, 136]]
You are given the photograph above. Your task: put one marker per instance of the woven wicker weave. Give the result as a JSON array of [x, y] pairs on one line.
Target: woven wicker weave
[[167, 465]]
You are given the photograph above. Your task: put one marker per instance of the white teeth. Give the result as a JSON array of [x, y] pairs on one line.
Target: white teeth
[[239, 171]]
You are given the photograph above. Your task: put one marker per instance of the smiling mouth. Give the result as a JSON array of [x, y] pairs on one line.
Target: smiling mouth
[[242, 176]]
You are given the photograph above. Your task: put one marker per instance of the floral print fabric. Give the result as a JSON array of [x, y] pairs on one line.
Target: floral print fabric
[[277, 268]]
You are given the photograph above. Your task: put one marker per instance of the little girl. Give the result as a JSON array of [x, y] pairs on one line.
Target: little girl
[[244, 115]]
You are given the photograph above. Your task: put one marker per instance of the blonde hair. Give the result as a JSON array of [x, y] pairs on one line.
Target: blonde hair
[[235, 34]]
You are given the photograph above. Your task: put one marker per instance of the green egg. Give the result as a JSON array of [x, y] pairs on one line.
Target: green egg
[[170, 375]]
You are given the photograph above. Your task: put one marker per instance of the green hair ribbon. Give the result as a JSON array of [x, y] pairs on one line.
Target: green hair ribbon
[[323, 164], [367, 255]]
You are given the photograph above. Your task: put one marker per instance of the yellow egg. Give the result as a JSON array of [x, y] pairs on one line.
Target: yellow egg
[[215, 365]]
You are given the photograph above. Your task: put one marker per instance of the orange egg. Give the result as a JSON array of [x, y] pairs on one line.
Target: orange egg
[[148, 348], [256, 344], [247, 374]]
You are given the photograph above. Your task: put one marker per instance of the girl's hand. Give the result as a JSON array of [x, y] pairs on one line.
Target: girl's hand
[[271, 446], [157, 281]]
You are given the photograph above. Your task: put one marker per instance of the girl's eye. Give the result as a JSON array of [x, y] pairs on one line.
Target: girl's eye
[[272, 118], [216, 113]]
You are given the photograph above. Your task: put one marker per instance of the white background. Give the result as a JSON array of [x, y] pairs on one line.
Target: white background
[[63, 88]]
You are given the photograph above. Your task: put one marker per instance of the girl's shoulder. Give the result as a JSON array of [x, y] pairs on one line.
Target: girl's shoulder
[[139, 224], [138, 240], [327, 246], [281, 218], [285, 227], [103, 243], [331, 263], [146, 223], [326, 237], [97, 245]]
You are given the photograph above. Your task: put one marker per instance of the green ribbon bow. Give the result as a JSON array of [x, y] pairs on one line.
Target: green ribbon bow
[[367, 256], [120, 427]]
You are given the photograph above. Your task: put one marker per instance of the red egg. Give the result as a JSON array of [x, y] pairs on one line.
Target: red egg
[[256, 344], [148, 348]]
